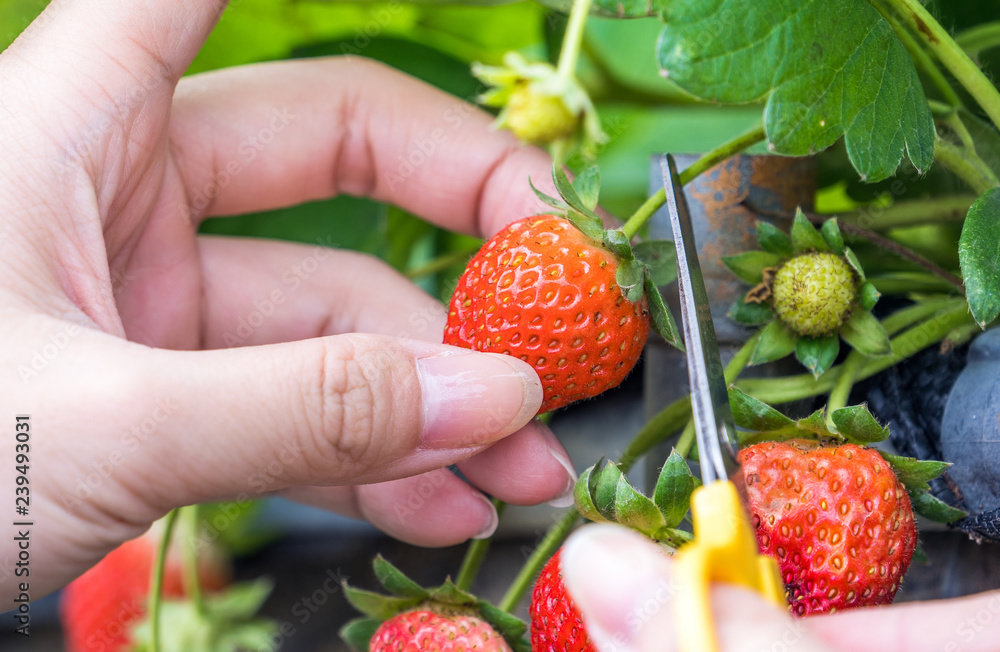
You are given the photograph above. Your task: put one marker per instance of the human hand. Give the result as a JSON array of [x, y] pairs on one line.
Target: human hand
[[115, 313], [624, 587]]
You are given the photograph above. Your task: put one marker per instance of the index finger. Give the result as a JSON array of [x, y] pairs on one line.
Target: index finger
[[278, 134]]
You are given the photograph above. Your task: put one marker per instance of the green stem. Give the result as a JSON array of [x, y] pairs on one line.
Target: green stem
[[917, 338], [572, 38], [192, 583], [475, 554], [911, 213], [906, 283], [841, 391], [981, 37], [920, 57], [156, 586], [440, 263], [954, 122], [552, 540], [686, 441], [706, 161], [966, 165], [666, 422], [938, 41]]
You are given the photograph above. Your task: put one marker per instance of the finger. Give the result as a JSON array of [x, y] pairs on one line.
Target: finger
[[624, 587], [263, 292], [431, 509], [527, 468], [282, 133], [969, 624], [118, 46], [350, 409]]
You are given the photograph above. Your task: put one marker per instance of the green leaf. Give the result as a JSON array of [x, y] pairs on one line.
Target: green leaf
[[630, 276], [868, 296], [830, 231], [816, 424], [507, 625], [547, 199], [858, 425], [660, 259], [663, 320], [855, 264], [634, 510], [775, 342], [925, 504], [376, 605], [753, 414], [672, 494], [605, 487], [568, 192], [825, 68], [583, 495], [448, 593], [673, 537], [749, 266], [912, 472], [979, 256], [358, 633], [243, 600], [751, 314], [591, 227], [394, 581], [866, 335], [817, 354], [588, 186], [617, 242], [805, 237], [773, 240]]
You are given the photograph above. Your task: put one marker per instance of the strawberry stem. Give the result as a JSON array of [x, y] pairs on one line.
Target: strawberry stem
[[189, 547], [156, 586], [572, 38], [841, 391], [550, 543], [475, 554], [709, 159], [966, 165]]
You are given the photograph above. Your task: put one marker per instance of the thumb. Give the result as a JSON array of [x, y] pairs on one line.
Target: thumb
[[347, 409], [624, 587]]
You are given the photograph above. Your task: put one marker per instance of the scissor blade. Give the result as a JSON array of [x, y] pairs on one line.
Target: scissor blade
[[713, 418]]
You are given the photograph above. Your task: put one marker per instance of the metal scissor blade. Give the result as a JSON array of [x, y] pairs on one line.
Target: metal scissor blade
[[713, 418]]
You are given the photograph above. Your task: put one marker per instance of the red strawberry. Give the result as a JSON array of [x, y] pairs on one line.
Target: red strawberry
[[423, 630], [836, 519], [99, 607], [555, 619], [543, 291]]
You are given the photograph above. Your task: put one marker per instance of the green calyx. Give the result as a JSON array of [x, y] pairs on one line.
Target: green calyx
[[641, 269], [809, 293], [538, 103], [852, 424], [406, 595], [604, 495]]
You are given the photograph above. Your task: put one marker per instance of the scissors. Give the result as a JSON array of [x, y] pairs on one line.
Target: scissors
[[724, 547]]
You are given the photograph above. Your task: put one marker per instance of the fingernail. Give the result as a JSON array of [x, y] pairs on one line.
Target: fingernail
[[473, 399], [565, 499], [621, 584], [491, 525]]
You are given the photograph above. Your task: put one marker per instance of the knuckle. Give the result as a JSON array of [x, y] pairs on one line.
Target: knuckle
[[351, 403]]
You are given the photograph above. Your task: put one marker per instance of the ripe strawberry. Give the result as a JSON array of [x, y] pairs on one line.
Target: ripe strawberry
[[99, 607], [543, 291], [423, 630], [836, 519], [814, 293], [556, 624]]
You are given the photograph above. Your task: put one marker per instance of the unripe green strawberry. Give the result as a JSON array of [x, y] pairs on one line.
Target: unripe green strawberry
[[546, 293], [538, 118], [813, 294], [835, 518], [423, 630]]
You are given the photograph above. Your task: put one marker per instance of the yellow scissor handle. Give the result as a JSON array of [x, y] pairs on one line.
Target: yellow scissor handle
[[724, 550]]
